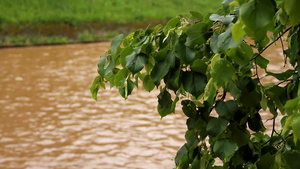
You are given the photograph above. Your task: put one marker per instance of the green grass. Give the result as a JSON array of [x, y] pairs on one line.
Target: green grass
[[82, 20], [104, 11]]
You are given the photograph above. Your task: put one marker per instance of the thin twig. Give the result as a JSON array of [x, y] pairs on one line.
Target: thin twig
[[284, 55], [273, 129], [266, 47]]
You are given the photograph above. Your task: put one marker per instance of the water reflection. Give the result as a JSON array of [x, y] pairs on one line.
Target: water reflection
[[48, 119]]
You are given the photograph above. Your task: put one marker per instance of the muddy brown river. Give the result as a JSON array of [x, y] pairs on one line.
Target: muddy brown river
[[49, 120]]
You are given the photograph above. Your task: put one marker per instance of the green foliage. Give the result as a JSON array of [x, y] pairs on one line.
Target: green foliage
[[212, 66], [103, 11]]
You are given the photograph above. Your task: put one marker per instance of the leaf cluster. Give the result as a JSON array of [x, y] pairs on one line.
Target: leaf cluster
[[210, 63]]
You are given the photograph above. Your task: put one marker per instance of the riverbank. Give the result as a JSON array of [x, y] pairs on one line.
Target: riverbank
[[24, 23]]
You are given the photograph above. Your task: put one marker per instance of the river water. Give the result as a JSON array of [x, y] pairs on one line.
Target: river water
[[49, 120]]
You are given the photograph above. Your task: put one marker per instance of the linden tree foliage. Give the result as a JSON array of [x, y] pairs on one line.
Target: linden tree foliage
[[210, 64]]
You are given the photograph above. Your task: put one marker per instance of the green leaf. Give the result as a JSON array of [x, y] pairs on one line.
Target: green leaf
[[226, 41], [194, 83], [271, 107], [136, 63], [216, 126], [148, 83], [196, 34], [200, 65], [249, 98], [214, 43], [159, 71], [124, 53], [115, 43], [294, 47], [226, 6], [292, 9], [164, 103], [224, 19], [262, 62], [218, 67], [292, 106], [181, 155], [189, 108], [184, 53], [172, 79], [255, 123], [232, 88], [241, 55], [283, 75], [104, 69], [197, 15], [161, 54], [196, 165], [292, 159], [120, 78], [126, 90], [239, 134], [266, 161], [257, 15], [237, 31], [210, 92], [171, 24], [296, 125], [226, 109], [224, 148], [96, 86]]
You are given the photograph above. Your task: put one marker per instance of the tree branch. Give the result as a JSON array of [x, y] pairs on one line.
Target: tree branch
[[266, 47]]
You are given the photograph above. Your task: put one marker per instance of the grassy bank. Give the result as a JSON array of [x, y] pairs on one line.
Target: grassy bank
[[26, 22]]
